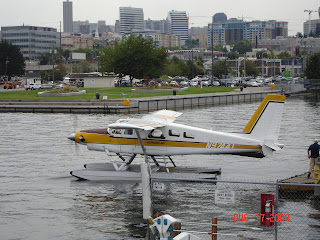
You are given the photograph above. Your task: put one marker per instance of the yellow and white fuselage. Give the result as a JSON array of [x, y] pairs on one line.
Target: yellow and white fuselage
[[161, 136]]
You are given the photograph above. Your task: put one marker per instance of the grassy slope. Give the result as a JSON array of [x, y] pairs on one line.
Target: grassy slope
[[112, 93]]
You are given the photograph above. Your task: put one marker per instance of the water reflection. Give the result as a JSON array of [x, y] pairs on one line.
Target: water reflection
[[110, 208]]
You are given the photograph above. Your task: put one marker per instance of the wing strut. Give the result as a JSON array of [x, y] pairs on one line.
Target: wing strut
[[142, 146], [124, 165]]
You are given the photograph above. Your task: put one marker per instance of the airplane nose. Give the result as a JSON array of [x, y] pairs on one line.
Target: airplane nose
[[72, 137]]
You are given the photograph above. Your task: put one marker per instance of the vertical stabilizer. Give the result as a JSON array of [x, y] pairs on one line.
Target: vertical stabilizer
[[265, 122]]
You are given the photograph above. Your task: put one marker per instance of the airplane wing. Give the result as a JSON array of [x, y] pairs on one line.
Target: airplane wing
[[163, 116], [148, 122]]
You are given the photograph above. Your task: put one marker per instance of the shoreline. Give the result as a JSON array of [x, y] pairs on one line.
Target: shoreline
[[132, 105]]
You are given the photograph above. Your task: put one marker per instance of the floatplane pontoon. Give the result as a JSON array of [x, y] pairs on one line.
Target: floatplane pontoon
[[156, 136]]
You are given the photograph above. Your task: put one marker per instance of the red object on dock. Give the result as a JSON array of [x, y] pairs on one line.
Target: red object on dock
[[266, 205]]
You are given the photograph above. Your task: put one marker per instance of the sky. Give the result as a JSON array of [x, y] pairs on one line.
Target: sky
[[49, 13]]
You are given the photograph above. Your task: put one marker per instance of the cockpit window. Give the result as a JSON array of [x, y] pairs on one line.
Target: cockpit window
[[156, 133], [116, 131], [174, 133]]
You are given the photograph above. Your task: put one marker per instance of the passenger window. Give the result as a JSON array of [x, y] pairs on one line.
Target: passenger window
[[128, 132], [156, 133], [187, 135], [174, 133]]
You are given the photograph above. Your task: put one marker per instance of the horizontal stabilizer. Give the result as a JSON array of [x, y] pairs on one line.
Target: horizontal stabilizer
[[268, 147], [272, 146]]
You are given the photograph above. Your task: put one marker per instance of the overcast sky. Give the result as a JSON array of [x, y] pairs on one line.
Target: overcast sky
[[48, 13]]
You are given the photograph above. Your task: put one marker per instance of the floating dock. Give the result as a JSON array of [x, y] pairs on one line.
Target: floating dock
[[298, 179]]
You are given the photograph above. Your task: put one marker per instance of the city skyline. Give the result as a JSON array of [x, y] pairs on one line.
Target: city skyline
[[33, 12]]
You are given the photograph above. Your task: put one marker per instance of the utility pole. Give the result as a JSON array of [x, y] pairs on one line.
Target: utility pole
[[212, 51], [192, 63], [52, 63], [60, 46]]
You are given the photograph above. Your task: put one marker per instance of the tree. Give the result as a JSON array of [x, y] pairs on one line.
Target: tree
[[250, 69], [312, 70], [176, 67], [11, 59], [134, 56], [191, 43], [218, 47], [284, 55], [233, 55], [59, 72], [262, 54], [82, 67], [243, 46], [220, 68]]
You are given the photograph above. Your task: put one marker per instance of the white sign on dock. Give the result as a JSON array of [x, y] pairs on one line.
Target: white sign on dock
[[224, 196], [158, 186]]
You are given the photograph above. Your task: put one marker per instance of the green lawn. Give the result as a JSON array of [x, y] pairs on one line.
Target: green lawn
[[112, 93]]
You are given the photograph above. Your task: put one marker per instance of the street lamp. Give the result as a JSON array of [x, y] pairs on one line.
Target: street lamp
[[6, 67]]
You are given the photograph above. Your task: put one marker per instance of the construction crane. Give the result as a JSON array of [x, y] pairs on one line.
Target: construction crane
[[311, 11]]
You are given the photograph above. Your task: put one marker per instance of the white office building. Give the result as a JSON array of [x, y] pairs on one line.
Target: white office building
[[178, 24], [33, 41], [131, 19]]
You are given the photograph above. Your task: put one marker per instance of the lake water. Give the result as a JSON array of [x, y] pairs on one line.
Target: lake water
[[39, 199]]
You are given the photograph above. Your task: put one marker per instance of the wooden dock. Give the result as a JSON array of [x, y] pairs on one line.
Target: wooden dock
[[298, 179]]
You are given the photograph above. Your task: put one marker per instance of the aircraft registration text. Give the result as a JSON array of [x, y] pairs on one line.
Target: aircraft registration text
[[219, 145]]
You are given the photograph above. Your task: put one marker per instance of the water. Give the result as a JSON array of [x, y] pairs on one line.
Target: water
[[39, 199]]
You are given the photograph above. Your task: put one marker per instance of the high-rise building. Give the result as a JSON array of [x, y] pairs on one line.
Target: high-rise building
[[67, 17], [78, 26], [219, 18], [311, 26], [33, 41], [131, 19], [178, 24], [235, 30]]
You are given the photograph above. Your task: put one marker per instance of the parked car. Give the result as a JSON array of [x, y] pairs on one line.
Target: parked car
[[33, 86], [173, 83], [215, 83], [206, 84], [252, 83], [46, 86], [184, 84], [193, 83]]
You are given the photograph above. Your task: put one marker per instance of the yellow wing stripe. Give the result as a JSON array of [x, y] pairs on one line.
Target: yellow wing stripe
[[165, 116], [259, 111]]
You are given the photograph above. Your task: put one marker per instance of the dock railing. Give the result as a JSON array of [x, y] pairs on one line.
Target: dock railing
[[238, 208]]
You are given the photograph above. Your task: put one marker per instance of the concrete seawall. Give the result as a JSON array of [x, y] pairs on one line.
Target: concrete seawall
[[137, 105]]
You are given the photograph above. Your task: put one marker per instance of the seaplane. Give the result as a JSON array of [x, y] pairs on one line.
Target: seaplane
[[158, 137]]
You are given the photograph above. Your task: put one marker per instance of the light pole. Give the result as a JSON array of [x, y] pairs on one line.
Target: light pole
[[6, 67]]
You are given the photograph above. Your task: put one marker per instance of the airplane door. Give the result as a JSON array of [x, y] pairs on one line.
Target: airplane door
[[155, 143]]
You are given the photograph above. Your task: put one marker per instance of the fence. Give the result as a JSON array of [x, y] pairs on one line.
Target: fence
[[296, 213], [194, 101]]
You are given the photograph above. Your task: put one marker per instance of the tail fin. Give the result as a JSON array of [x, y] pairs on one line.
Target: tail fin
[[264, 125]]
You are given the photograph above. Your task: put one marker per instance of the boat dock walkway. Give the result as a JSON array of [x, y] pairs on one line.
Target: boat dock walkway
[[298, 179]]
